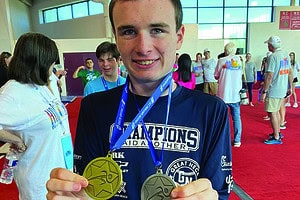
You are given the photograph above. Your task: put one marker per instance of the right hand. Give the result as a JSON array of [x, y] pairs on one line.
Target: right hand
[[64, 184], [81, 67]]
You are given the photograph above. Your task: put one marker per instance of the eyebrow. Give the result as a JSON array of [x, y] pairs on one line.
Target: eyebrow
[[155, 25]]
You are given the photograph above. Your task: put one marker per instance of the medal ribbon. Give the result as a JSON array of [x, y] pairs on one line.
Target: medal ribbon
[[158, 160], [118, 137], [105, 83]]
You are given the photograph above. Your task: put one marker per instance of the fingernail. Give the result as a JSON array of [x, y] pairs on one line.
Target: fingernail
[[76, 187]]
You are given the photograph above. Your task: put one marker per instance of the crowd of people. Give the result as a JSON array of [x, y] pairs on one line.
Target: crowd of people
[[138, 124]]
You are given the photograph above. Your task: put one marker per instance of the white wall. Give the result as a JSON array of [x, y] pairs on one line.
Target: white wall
[[14, 21], [79, 28]]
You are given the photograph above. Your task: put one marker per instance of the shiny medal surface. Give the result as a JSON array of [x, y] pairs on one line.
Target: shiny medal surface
[[157, 187], [104, 176]]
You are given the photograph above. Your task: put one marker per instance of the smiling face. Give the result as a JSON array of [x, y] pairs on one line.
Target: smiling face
[[108, 66], [146, 37]]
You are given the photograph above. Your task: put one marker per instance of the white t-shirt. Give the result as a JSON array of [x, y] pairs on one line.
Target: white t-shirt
[[41, 120], [209, 66], [229, 73]]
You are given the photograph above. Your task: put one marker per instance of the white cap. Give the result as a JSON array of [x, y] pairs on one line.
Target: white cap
[[206, 50], [275, 41]]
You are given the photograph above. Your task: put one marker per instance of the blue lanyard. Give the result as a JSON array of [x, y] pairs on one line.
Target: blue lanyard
[[105, 83], [157, 160], [118, 137]]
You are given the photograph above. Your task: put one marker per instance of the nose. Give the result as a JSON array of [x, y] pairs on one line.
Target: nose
[[143, 43]]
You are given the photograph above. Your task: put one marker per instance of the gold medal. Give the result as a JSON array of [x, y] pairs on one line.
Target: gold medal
[[104, 176], [157, 187]]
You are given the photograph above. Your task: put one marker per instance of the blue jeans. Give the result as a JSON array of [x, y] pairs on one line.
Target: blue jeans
[[237, 122]]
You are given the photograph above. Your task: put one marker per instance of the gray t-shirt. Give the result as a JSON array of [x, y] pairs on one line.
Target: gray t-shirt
[[250, 70], [279, 65]]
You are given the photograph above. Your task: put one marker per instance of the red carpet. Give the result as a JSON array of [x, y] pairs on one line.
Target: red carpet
[[265, 172]]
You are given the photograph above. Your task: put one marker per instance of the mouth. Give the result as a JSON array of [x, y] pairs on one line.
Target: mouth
[[145, 62]]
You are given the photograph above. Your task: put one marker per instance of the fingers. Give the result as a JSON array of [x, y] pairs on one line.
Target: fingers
[[18, 147], [200, 189], [65, 181], [54, 196]]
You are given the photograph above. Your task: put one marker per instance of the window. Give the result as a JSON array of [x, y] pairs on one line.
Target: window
[[64, 13], [80, 10], [71, 11], [228, 19], [210, 15], [50, 16]]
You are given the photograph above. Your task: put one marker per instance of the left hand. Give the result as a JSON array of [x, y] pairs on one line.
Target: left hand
[[263, 97], [200, 189]]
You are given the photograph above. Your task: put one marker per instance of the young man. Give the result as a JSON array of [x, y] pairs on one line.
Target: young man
[[86, 73], [278, 75], [108, 57], [193, 133]]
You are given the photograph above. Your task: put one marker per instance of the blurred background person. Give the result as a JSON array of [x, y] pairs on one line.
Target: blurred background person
[[296, 69], [198, 72], [86, 73], [4, 62], [108, 60], [183, 75], [250, 76], [32, 118]]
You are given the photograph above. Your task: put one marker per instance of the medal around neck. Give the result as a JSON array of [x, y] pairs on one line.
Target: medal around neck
[[104, 176], [157, 187]]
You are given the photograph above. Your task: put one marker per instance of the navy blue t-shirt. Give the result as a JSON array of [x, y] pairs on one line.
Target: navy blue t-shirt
[[197, 141]]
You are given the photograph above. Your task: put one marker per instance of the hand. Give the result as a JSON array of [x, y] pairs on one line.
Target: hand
[[18, 147], [81, 67], [64, 184], [200, 189], [263, 97]]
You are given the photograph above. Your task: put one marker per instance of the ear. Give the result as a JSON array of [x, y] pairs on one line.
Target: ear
[[180, 35]]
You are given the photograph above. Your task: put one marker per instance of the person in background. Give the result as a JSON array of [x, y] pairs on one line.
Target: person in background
[[108, 58], [4, 62], [175, 66], [250, 71], [86, 73], [59, 73], [183, 75], [198, 72], [32, 119], [263, 67], [229, 74], [278, 74], [296, 69], [195, 129], [209, 65], [123, 70]]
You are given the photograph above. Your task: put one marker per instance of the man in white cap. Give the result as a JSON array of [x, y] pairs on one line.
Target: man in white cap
[[209, 65], [278, 75], [229, 73]]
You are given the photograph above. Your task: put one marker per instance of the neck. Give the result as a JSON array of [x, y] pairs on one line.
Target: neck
[[111, 78], [147, 89]]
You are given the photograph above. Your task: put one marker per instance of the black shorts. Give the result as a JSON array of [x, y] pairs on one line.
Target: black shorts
[[295, 80]]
